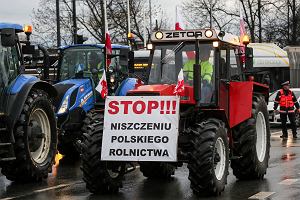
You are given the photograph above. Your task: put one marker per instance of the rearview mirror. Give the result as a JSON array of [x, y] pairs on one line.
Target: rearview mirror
[[8, 37]]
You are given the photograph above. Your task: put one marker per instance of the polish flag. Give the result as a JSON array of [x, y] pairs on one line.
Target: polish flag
[[242, 34], [102, 86], [179, 88], [179, 26], [108, 49]]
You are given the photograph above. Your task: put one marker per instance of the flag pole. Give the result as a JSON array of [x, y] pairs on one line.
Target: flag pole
[[128, 23], [105, 30]]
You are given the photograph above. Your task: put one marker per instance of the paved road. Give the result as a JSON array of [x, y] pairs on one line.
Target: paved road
[[281, 182]]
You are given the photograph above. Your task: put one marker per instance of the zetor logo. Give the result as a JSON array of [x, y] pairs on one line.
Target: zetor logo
[[179, 34], [141, 107]]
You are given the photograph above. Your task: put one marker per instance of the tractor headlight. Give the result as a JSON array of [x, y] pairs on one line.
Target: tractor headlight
[[112, 78], [64, 106], [209, 33]]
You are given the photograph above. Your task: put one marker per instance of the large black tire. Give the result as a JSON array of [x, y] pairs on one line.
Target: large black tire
[[96, 173], [28, 167], [157, 170], [249, 164], [210, 151]]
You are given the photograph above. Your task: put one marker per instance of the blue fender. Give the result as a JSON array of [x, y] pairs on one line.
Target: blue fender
[[20, 81], [126, 85]]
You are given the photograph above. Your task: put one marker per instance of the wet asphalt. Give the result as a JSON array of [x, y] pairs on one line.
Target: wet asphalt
[[281, 182]]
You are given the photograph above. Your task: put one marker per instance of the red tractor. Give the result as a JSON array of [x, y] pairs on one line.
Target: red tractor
[[223, 116]]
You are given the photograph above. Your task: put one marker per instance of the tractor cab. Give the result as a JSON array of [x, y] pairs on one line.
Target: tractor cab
[[206, 58], [10, 56], [79, 71]]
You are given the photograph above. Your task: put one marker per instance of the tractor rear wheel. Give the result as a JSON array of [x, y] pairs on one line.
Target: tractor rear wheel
[[209, 160], [99, 176], [252, 143], [157, 169], [35, 140]]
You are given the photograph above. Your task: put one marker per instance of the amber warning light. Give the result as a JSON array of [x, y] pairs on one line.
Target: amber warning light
[[28, 29]]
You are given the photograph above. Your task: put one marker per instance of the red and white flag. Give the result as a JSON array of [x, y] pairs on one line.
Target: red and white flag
[[179, 88], [179, 26], [108, 49], [102, 86]]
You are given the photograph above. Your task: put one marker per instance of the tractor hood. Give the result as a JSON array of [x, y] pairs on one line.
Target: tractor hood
[[147, 90], [77, 92]]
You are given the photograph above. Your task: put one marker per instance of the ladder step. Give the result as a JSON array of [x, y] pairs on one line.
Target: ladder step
[[3, 129], [7, 159], [5, 144]]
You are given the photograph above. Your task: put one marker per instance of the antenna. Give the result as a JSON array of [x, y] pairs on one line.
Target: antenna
[[210, 14]]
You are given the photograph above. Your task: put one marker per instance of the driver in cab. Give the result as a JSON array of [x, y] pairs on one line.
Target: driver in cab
[[206, 73]]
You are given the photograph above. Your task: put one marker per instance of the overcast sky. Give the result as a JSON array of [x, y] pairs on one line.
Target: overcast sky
[[19, 11]]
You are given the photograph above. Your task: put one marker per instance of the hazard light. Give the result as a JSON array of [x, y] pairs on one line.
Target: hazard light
[[28, 29], [246, 40]]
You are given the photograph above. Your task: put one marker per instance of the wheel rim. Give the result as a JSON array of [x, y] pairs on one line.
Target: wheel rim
[[261, 136], [114, 173], [220, 158], [39, 153]]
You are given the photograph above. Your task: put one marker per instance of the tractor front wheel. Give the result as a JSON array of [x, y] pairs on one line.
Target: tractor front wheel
[[208, 165], [35, 140], [252, 143], [99, 176]]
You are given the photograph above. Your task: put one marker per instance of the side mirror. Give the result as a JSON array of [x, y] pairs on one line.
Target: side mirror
[[131, 62], [8, 37], [249, 58], [123, 57]]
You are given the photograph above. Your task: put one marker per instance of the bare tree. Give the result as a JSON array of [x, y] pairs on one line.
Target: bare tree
[[91, 20], [44, 23]]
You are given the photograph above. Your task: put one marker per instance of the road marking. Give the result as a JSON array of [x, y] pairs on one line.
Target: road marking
[[288, 181], [261, 195], [277, 132], [43, 190]]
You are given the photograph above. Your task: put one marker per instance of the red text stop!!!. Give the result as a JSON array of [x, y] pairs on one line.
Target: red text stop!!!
[[141, 107]]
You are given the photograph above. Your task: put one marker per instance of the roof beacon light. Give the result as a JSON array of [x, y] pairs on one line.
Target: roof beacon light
[[28, 29], [246, 40], [215, 44], [209, 33], [159, 35]]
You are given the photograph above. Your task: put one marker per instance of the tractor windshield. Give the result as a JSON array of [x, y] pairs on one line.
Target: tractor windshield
[[8, 64], [168, 60], [81, 61]]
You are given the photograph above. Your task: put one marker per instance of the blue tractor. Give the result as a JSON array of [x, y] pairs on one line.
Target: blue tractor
[[80, 68], [28, 136]]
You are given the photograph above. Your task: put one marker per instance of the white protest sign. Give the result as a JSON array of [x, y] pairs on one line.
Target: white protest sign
[[140, 128]]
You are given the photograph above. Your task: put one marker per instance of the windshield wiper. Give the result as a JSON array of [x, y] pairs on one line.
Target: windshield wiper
[[174, 50]]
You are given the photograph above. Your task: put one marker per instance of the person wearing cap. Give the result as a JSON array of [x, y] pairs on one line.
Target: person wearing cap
[[287, 101]]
